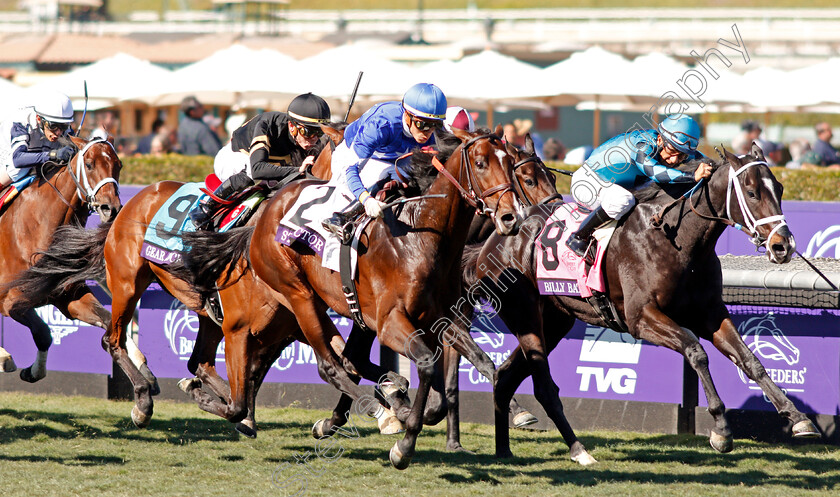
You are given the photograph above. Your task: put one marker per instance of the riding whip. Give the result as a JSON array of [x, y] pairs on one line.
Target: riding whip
[[353, 96], [84, 112]]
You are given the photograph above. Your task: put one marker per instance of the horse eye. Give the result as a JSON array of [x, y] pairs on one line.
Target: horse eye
[[529, 182], [751, 193], [479, 163], [89, 166]]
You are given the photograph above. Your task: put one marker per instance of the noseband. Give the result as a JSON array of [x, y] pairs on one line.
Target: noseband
[[473, 194], [517, 183], [83, 189]]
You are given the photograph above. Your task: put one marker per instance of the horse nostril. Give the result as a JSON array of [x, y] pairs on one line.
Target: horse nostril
[[779, 248], [508, 219]]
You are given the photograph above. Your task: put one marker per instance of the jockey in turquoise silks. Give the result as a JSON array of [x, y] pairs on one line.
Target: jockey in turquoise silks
[[374, 142], [629, 160]]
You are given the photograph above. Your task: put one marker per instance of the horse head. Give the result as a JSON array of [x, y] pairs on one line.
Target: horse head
[[533, 182], [753, 203], [95, 169], [485, 172]]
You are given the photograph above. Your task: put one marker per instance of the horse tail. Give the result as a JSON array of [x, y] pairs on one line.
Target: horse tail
[[213, 256], [75, 255], [468, 264]]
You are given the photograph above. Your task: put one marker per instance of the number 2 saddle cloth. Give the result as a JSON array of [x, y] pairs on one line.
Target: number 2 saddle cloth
[[559, 270]]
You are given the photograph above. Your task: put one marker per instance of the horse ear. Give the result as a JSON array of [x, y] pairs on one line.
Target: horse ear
[[335, 135], [529, 145], [757, 152], [462, 134], [78, 142], [499, 131], [731, 158]]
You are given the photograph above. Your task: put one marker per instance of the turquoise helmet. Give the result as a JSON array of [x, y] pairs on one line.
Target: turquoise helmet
[[426, 101], [681, 132]]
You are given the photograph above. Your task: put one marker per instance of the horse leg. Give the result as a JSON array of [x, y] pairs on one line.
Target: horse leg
[[659, 329], [729, 342], [452, 359], [7, 364], [43, 339], [398, 334], [126, 290], [391, 388], [266, 357]]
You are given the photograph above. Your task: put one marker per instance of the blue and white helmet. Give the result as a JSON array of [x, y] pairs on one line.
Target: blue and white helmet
[[681, 132], [426, 101]]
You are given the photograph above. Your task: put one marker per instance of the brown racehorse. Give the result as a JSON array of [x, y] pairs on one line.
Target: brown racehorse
[[61, 195], [665, 283], [112, 252], [420, 267]]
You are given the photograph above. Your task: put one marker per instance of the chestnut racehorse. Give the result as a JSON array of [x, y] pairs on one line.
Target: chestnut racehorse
[[59, 196]]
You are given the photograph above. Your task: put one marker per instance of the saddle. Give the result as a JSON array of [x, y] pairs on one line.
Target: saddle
[[237, 209]]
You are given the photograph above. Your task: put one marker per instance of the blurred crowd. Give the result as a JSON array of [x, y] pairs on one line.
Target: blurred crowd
[[798, 154]]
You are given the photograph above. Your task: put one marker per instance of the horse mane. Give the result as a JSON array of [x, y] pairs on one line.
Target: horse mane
[[650, 190], [421, 171]]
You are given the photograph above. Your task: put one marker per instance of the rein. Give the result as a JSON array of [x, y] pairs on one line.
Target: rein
[[475, 200], [750, 220]]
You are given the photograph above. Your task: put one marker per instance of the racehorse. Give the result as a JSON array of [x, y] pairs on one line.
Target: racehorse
[[415, 255], [59, 196], [111, 252], [666, 285]]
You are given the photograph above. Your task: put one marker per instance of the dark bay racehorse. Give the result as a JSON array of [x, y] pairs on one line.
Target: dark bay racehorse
[[665, 283], [416, 257], [59, 196]]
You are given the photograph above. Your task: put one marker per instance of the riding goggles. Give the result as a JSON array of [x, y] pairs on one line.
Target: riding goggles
[[309, 131], [424, 124], [57, 128], [681, 141]]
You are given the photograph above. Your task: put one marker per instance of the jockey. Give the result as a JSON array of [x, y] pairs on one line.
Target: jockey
[[374, 142], [34, 137], [626, 161], [270, 146]]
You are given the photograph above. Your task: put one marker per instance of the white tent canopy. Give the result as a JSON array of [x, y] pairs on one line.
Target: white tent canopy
[[108, 80], [12, 97]]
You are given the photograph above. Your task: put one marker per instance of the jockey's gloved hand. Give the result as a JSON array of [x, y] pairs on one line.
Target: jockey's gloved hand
[[63, 154], [373, 207]]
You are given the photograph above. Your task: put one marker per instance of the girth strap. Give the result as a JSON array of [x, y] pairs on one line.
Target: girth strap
[[348, 285]]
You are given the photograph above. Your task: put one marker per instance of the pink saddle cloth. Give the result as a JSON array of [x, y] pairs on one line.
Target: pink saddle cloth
[[559, 270]]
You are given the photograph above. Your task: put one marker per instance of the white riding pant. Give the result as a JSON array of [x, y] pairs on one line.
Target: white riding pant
[[370, 172], [589, 190], [229, 162]]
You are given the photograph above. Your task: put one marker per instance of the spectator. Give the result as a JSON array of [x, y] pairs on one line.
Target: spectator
[[811, 160], [523, 127], [553, 149], [750, 131], [797, 149], [509, 132], [160, 144], [144, 146], [194, 135], [772, 152], [823, 148]]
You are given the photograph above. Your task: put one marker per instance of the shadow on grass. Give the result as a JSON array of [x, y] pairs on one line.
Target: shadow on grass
[[82, 460]]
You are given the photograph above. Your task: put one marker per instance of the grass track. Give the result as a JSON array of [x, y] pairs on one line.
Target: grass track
[[82, 446]]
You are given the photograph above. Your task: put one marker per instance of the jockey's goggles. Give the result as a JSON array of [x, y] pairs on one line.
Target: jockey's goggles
[[673, 151], [309, 131], [681, 141], [423, 124], [57, 128]]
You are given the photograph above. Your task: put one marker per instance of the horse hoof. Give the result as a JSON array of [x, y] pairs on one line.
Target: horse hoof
[[457, 447], [504, 454], [318, 429], [389, 424], [720, 443], [398, 460], [524, 419], [26, 375], [245, 429], [584, 459], [187, 384], [806, 429], [139, 419], [7, 364], [155, 388]]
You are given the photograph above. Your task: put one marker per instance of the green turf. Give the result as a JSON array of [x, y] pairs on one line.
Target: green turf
[[82, 446]]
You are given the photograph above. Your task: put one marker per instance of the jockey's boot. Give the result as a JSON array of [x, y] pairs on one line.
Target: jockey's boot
[[341, 223], [202, 212], [578, 241]]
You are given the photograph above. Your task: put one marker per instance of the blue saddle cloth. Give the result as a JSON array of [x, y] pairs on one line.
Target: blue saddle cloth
[[162, 242]]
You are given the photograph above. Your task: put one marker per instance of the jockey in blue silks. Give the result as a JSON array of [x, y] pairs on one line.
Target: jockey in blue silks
[[32, 138], [629, 160], [374, 142]]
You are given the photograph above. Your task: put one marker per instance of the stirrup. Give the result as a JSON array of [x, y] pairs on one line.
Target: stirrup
[[578, 246], [339, 226]]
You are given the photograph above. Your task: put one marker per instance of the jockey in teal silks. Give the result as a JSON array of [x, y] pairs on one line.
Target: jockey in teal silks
[[32, 138], [629, 160], [374, 142]]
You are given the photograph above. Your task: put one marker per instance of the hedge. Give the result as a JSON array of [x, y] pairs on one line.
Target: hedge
[[819, 185]]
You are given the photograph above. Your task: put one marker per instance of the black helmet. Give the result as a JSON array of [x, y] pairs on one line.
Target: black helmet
[[309, 110]]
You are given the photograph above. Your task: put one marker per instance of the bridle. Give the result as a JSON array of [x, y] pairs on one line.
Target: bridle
[[473, 193], [520, 191], [84, 191]]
